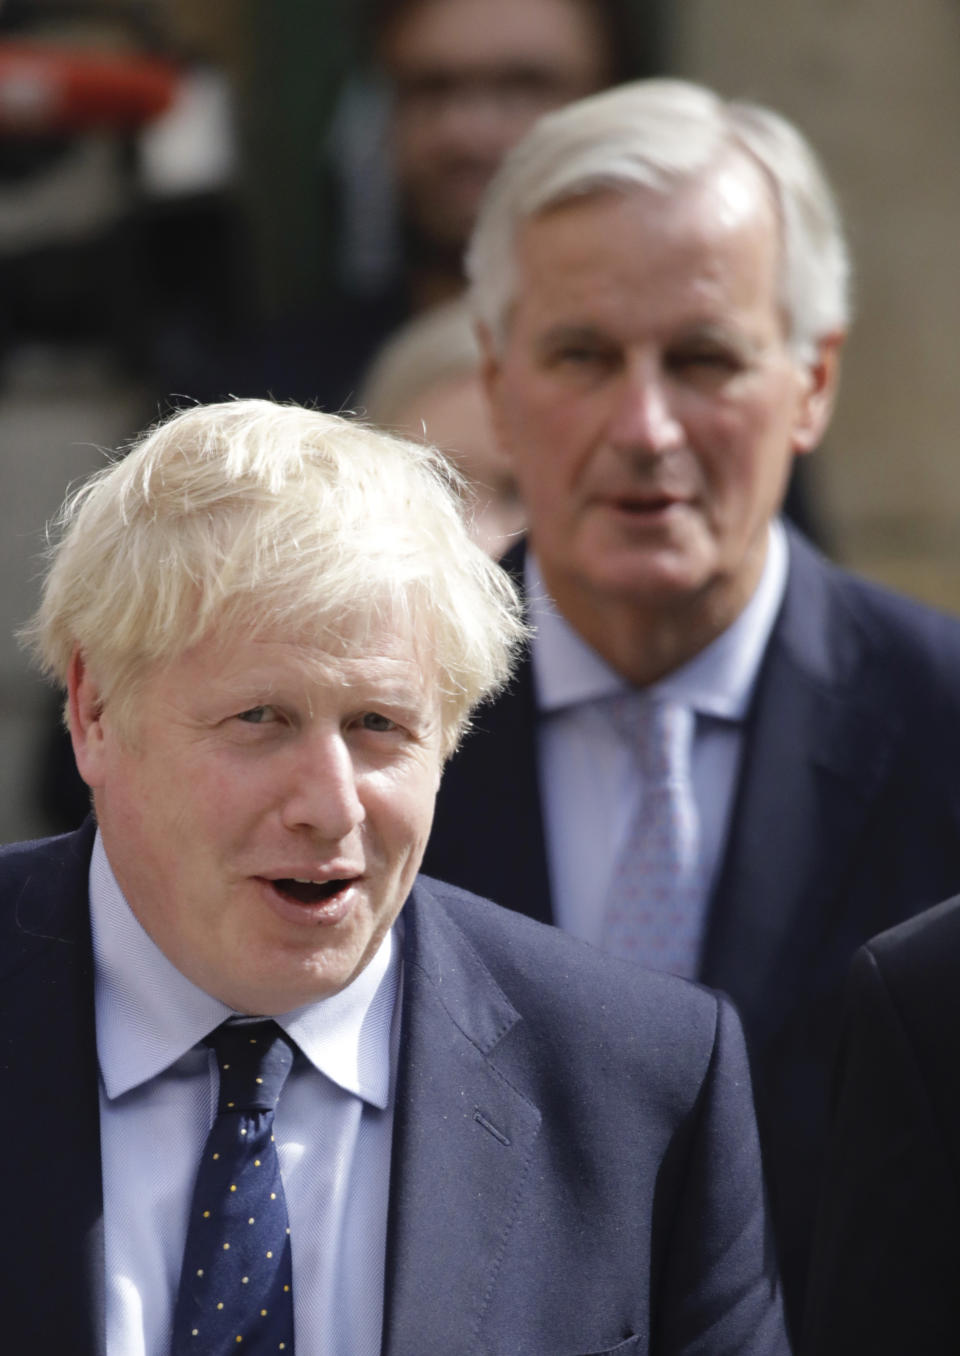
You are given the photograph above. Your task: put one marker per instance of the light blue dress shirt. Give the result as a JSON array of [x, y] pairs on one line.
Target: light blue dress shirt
[[158, 1097], [590, 785]]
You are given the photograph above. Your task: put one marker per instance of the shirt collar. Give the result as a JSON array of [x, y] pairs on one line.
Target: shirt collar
[[149, 1014], [718, 681]]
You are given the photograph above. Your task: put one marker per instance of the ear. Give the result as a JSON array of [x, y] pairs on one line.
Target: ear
[[822, 375], [86, 724], [491, 374]]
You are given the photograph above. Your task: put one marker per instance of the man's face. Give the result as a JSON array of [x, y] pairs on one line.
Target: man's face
[[267, 820], [648, 397], [470, 77]]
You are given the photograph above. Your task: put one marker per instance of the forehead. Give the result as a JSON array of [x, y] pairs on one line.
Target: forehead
[[701, 250], [231, 660], [469, 35]]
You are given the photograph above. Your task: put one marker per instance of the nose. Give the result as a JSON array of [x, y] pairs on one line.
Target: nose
[[477, 120], [643, 418], [320, 790]]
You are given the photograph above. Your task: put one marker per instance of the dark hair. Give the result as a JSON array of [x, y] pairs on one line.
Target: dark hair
[[632, 31]]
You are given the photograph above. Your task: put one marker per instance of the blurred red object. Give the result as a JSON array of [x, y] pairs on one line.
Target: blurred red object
[[47, 90]]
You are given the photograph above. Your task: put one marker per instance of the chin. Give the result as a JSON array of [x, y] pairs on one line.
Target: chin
[[272, 1001], [651, 577], [271, 992]]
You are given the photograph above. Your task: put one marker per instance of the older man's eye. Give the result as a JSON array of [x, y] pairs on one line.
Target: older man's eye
[[583, 355], [257, 715], [707, 359]]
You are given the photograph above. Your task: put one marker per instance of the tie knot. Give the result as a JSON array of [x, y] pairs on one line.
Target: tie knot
[[254, 1059]]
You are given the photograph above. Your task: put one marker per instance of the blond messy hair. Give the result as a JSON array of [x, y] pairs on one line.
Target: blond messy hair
[[259, 517]]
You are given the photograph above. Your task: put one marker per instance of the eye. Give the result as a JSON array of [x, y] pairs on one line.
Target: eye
[[581, 354], [707, 359], [258, 715], [374, 720]]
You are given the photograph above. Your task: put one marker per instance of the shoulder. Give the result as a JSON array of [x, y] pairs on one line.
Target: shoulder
[[572, 997], [46, 857], [43, 892], [908, 633], [905, 981], [921, 954], [889, 1198]]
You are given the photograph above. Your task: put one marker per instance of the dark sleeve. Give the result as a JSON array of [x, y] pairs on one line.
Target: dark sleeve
[[720, 1293], [884, 1278]]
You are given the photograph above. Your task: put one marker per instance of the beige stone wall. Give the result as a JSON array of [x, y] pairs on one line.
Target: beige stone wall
[[875, 85]]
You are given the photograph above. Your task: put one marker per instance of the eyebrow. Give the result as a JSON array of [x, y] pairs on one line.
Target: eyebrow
[[709, 331], [559, 335], [712, 332]]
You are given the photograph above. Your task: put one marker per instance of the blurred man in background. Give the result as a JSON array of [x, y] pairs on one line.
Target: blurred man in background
[[724, 757], [427, 382], [884, 1271], [468, 78], [461, 81]]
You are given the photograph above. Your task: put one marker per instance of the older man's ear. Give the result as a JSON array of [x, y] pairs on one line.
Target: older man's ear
[[491, 365], [816, 406], [86, 727]]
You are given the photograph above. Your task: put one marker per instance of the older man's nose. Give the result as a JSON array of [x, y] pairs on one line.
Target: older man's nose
[[643, 418], [320, 793]]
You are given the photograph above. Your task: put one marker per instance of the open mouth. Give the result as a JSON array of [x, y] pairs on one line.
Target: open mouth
[[310, 891]]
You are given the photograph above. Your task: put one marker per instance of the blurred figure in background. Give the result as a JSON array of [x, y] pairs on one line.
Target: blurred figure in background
[[468, 78], [118, 244], [725, 757], [425, 383], [118, 229], [450, 86], [884, 1270]]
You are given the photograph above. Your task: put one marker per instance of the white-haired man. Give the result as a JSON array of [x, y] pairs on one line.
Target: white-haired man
[[463, 1132], [661, 282]]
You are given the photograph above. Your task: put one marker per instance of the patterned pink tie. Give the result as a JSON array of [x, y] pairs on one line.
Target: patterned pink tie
[[655, 909]]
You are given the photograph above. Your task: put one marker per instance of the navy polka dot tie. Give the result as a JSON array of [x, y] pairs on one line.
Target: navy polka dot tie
[[236, 1284]]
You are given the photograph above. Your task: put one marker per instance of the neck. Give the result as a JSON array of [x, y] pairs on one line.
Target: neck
[[645, 641]]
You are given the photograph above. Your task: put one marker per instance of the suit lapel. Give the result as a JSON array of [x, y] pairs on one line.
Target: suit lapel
[[819, 742], [54, 1277], [463, 1137]]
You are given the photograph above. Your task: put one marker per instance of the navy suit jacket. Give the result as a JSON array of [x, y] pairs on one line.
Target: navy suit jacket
[[846, 820], [575, 1165], [887, 1259]]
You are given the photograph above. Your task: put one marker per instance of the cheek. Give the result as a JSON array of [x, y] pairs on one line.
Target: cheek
[[401, 812], [548, 437], [407, 143], [746, 463], [213, 813]]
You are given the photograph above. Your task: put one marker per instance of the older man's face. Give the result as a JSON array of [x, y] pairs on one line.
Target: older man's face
[[648, 397], [267, 821]]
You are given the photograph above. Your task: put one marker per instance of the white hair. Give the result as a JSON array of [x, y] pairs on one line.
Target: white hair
[[657, 134], [254, 515]]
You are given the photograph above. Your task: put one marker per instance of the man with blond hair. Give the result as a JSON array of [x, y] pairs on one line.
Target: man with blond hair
[[272, 1089], [722, 756]]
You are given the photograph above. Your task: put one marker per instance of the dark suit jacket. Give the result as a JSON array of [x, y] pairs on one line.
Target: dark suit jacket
[[846, 820], [885, 1273], [575, 1164]]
